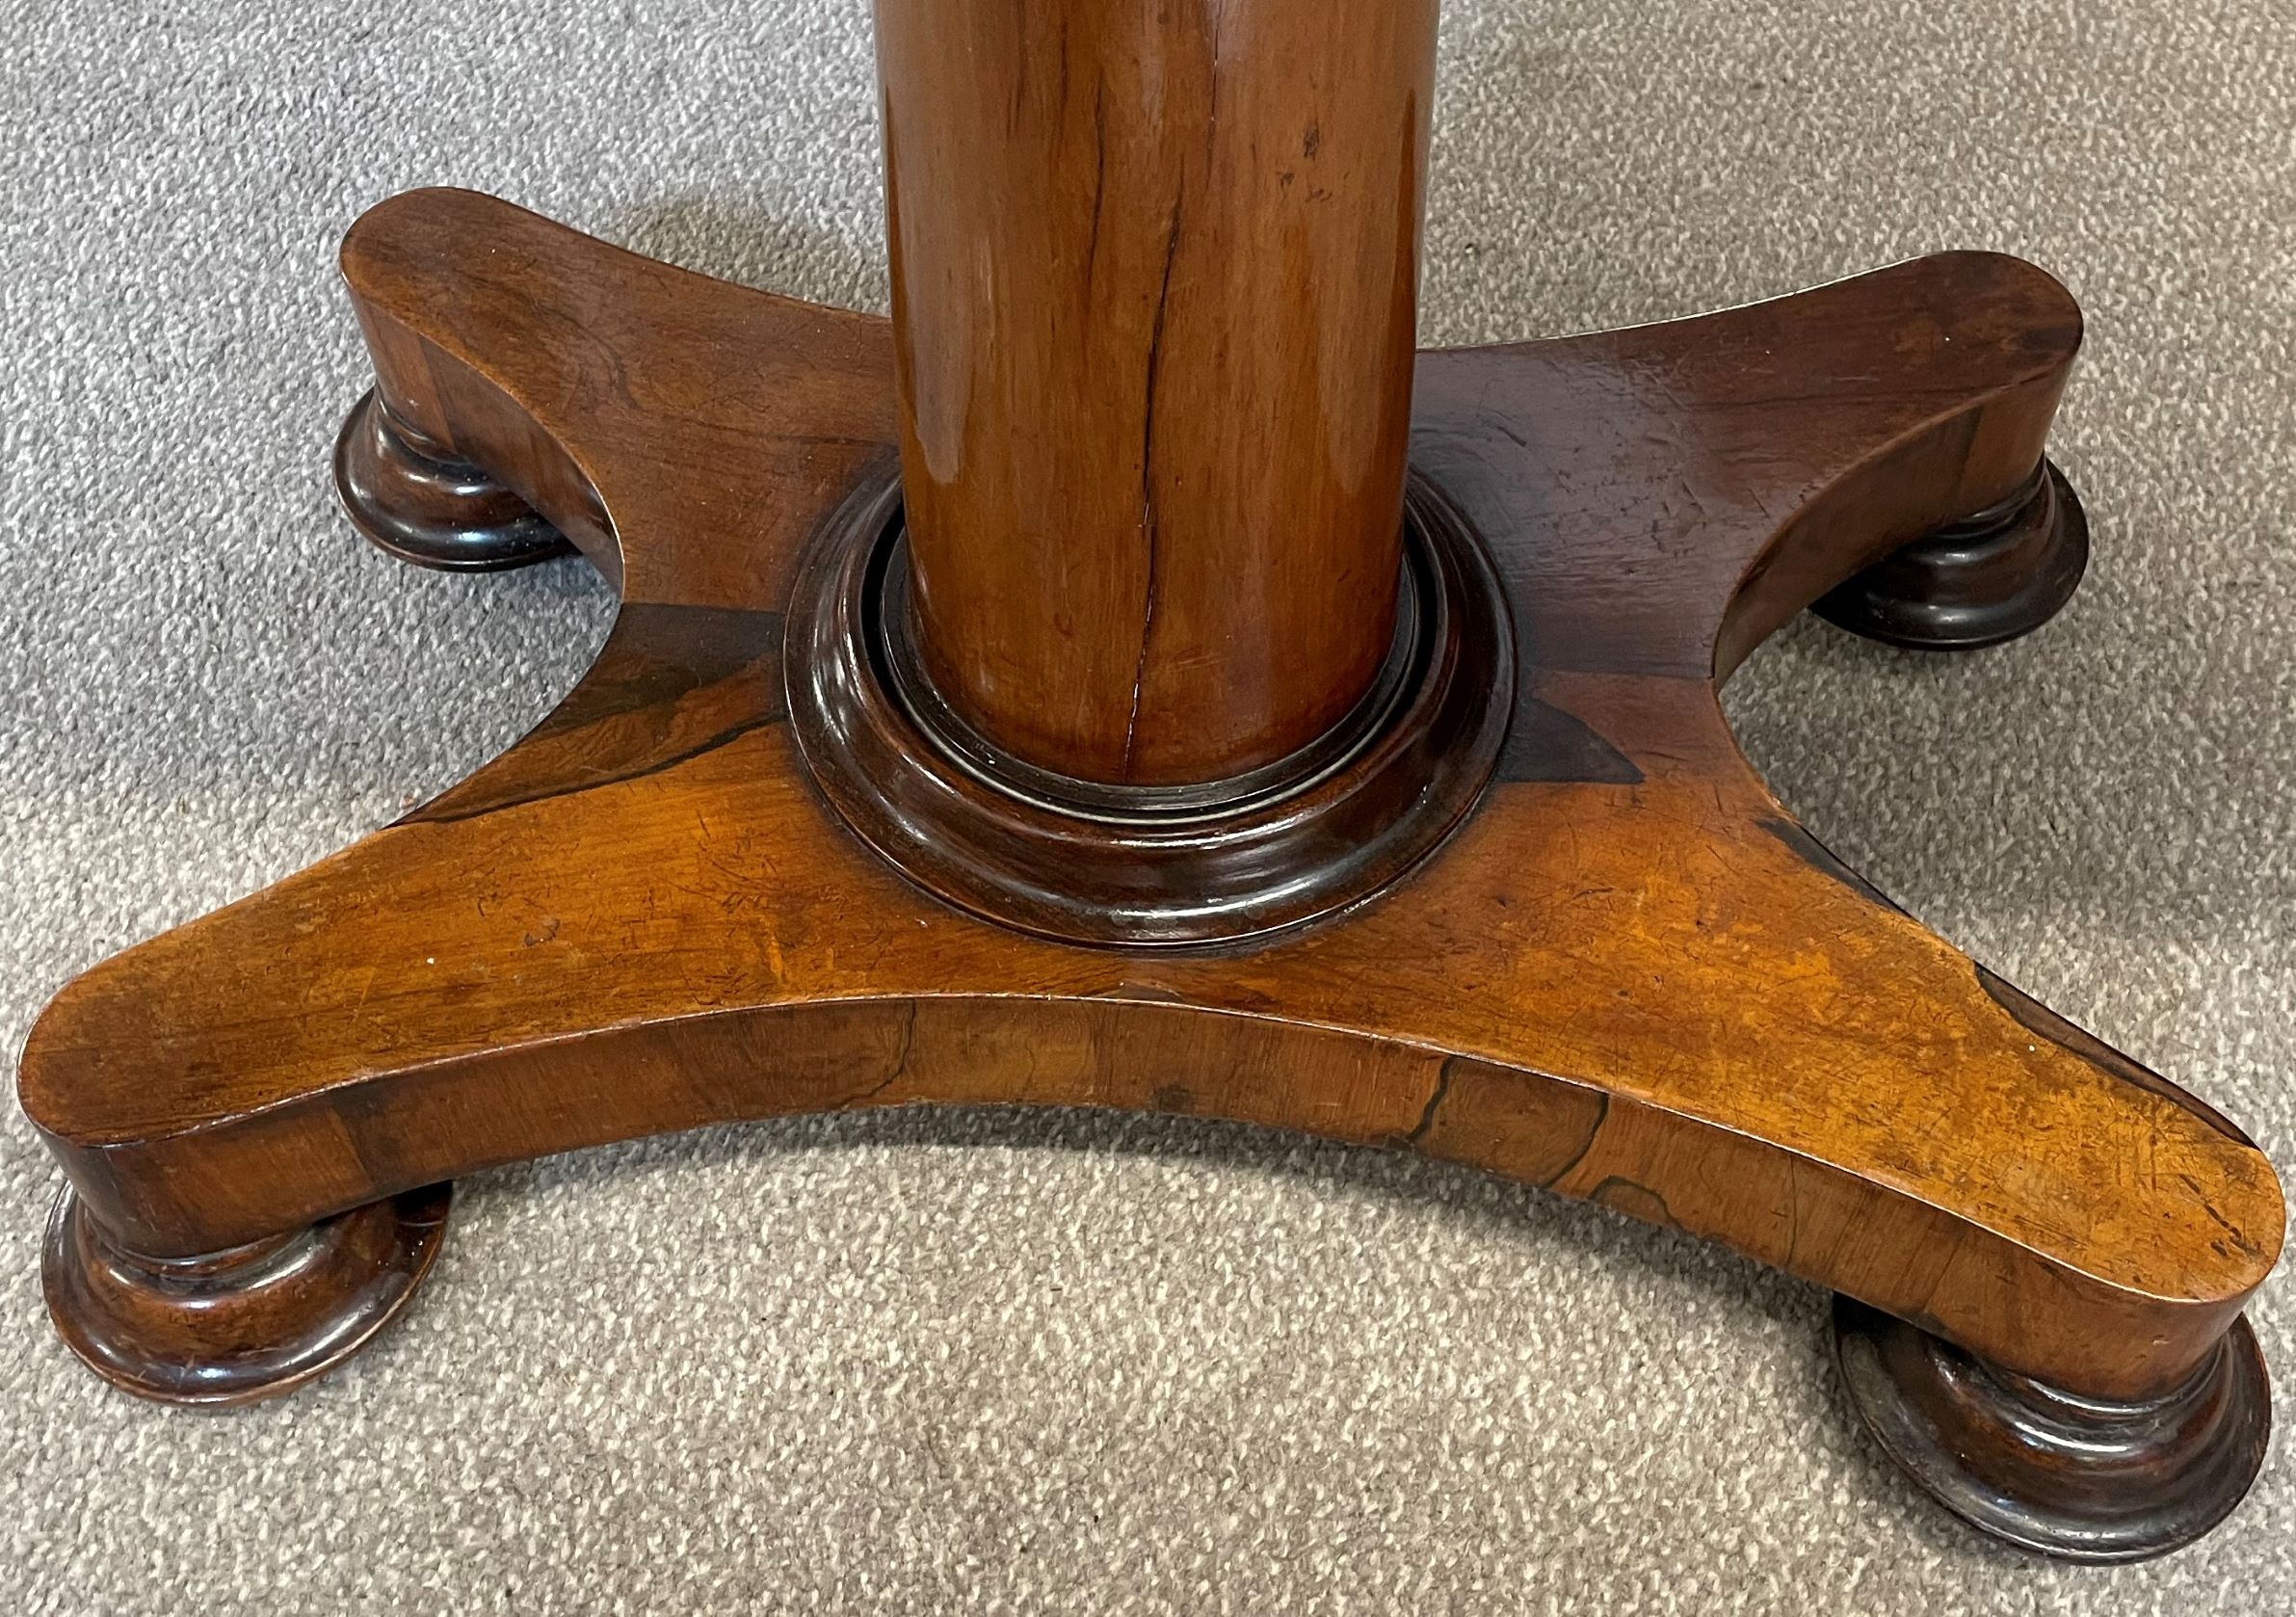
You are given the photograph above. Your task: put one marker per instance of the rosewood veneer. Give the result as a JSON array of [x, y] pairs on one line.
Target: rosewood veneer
[[1133, 676]]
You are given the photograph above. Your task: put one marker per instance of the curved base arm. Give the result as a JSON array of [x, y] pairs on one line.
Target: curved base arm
[[1628, 975]]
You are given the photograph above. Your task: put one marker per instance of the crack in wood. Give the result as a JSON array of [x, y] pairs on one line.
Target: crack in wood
[[1148, 484]]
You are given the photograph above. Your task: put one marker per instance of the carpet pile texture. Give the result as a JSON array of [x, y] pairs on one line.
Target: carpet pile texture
[[1058, 1361]]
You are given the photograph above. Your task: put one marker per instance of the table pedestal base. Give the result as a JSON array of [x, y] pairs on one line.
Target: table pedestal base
[[1617, 968]]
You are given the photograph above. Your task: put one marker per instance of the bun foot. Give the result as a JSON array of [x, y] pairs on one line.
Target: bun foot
[[434, 513], [2082, 1479], [1998, 574], [252, 1322]]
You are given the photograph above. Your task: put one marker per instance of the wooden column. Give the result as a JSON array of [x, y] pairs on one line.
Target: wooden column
[[1154, 279]]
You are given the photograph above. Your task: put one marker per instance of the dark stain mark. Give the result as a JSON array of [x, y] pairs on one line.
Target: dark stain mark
[[908, 1039], [455, 807], [1147, 469], [1545, 743], [659, 654], [1092, 246], [1585, 1146], [1172, 1098], [2042, 1023], [1797, 840], [657, 657], [1635, 1201], [1315, 137], [1506, 427], [2232, 1231], [1515, 1124], [1443, 1087]]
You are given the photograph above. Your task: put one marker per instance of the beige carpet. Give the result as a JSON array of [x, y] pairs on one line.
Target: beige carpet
[[1060, 1362]]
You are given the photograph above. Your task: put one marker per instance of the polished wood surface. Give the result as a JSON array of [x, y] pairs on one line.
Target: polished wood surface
[[1267, 854], [2085, 1479], [1628, 975], [416, 502], [1998, 574], [245, 1323], [1154, 279]]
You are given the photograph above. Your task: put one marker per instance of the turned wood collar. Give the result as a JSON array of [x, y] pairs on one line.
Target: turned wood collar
[[1325, 827]]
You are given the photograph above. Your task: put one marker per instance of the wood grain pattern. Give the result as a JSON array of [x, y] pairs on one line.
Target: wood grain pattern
[[433, 512], [1252, 856], [1156, 272], [2085, 1479], [1629, 976], [245, 1323], [1997, 575]]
